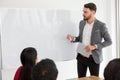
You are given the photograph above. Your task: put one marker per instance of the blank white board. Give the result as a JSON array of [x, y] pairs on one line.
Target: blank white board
[[44, 30]]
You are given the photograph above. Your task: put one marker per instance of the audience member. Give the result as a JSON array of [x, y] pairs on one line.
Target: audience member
[[112, 70], [45, 70], [28, 59]]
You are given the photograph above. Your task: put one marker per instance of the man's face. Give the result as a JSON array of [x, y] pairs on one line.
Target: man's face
[[87, 13]]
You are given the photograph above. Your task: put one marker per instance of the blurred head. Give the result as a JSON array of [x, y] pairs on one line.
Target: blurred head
[[89, 11], [45, 70], [29, 56], [112, 70], [28, 59]]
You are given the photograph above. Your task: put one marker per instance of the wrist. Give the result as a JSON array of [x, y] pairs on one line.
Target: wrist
[[95, 46]]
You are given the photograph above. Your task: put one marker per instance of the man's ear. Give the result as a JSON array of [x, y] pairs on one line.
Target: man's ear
[[93, 12]]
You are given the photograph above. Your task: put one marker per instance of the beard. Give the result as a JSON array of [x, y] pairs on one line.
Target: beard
[[86, 18]]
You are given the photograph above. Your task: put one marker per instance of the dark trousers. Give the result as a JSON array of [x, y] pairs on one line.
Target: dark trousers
[[83, 63]]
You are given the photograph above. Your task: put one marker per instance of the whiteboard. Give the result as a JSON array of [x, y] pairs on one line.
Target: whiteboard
[[42, 29]]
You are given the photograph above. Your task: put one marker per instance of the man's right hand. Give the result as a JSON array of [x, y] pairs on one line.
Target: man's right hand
[[70, 37]]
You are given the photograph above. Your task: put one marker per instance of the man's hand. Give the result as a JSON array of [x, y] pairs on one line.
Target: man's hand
[[70, 37], [90, 48]]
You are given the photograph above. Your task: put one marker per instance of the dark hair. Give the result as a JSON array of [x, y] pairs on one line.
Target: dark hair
[[91, 6], [28, 59], [112, 69], [45, 70], [117, 76]]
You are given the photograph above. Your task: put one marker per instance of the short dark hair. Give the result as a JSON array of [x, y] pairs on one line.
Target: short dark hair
[[45, 70], [112, 70], [91, 6]]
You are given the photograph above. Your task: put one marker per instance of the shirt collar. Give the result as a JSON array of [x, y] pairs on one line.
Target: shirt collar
[[90, 24]]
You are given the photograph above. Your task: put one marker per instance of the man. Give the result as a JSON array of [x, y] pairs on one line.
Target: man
[[91, 33]]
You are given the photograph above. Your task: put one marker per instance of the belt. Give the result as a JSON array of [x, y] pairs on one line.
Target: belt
[[84, 56]]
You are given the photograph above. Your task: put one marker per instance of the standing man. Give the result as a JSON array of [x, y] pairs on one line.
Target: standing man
[[91, 33]]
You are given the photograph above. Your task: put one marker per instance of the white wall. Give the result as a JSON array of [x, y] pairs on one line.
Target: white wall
[[0, 57], [105, 13], [46, 4]]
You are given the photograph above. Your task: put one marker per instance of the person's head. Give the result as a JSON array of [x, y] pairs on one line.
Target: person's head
[[29, 56], [45, 70], [89, 10], [112, 70], [28, 60]]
